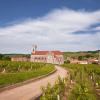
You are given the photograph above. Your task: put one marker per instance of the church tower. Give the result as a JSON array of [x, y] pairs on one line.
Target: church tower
[[34, 48]]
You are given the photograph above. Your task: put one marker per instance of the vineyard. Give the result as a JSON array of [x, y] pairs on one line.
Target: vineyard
[[86, 80], [14, 72], [81, 83]]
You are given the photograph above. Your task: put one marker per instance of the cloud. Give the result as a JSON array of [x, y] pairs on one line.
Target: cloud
[[97, 28], [55, 30]]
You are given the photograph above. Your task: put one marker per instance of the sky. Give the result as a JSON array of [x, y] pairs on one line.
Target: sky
[[66, 25]]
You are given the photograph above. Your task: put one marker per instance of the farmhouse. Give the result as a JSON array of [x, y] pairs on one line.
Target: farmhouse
[[54, 57], [20, 58]]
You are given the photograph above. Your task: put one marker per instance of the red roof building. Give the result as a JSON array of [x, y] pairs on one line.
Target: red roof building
[[46, 52], [55, 57]]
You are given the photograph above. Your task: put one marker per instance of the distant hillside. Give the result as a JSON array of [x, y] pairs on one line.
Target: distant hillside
[[81, 55], [84, 54], [8, 56], [16, 55]]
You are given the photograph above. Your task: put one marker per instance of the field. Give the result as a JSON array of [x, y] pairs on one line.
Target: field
[[14, 72], [84, 54], [86, 80], [82, 83]]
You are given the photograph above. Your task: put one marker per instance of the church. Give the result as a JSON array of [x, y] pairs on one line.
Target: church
[[54, 57]]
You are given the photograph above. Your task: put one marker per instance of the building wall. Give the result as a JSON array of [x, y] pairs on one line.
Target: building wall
[[20, 59], [38, 58], [48, 59], [60, 59]]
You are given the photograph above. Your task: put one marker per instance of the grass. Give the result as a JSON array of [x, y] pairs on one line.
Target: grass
[[13, 76]]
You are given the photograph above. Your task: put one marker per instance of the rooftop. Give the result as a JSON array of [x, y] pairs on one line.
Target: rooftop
[[46, 52]]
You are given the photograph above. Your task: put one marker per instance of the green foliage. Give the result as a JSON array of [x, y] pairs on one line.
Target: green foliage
[[86, 77], [81, 55], [67, 62], [4, 57], [80, 58], [11, 67], [81, 92], [14, 72], [51, 92], [88, 55]]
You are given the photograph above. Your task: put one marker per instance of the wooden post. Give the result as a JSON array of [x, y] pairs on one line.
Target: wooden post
[[4, 70], [58, 97]]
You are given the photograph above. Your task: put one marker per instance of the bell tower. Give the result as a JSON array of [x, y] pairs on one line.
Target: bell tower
[[34, 48]]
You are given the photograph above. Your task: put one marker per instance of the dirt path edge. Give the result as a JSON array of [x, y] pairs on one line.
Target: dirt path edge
[[27, 81]]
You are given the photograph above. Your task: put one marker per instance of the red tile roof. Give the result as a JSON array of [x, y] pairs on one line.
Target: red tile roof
[[46, 52], [57, 52], [40, 53]]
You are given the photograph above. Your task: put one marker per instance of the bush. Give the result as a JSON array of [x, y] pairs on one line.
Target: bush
[[52, 92]]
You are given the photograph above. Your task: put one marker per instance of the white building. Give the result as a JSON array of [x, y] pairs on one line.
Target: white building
[[54, 57]]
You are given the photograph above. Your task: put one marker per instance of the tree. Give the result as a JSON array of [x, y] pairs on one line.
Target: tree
[[67, 62], [1, 56], [80, 57], [4, 57]]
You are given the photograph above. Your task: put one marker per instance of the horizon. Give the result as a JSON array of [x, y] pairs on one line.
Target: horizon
[[62, 25], [47, 50]]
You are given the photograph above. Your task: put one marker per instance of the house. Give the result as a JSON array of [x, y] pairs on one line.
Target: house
[[54, 57], [20, 58], [76, 61], [83, 62], [93, 61]]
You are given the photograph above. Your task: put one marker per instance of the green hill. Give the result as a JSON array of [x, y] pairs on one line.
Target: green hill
[[84, 54]]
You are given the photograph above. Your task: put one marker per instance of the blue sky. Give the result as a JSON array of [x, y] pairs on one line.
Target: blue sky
[[67, 25], [12, 10]]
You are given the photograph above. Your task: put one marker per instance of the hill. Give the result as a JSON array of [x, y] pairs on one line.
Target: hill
[[80, 54]]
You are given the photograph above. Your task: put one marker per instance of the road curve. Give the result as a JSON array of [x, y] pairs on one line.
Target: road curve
[[32, 90]]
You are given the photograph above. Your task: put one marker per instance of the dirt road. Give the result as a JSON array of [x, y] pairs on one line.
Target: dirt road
[[32, 90]]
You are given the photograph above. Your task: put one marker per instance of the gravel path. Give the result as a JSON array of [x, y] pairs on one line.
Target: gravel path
[[32, 90]]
